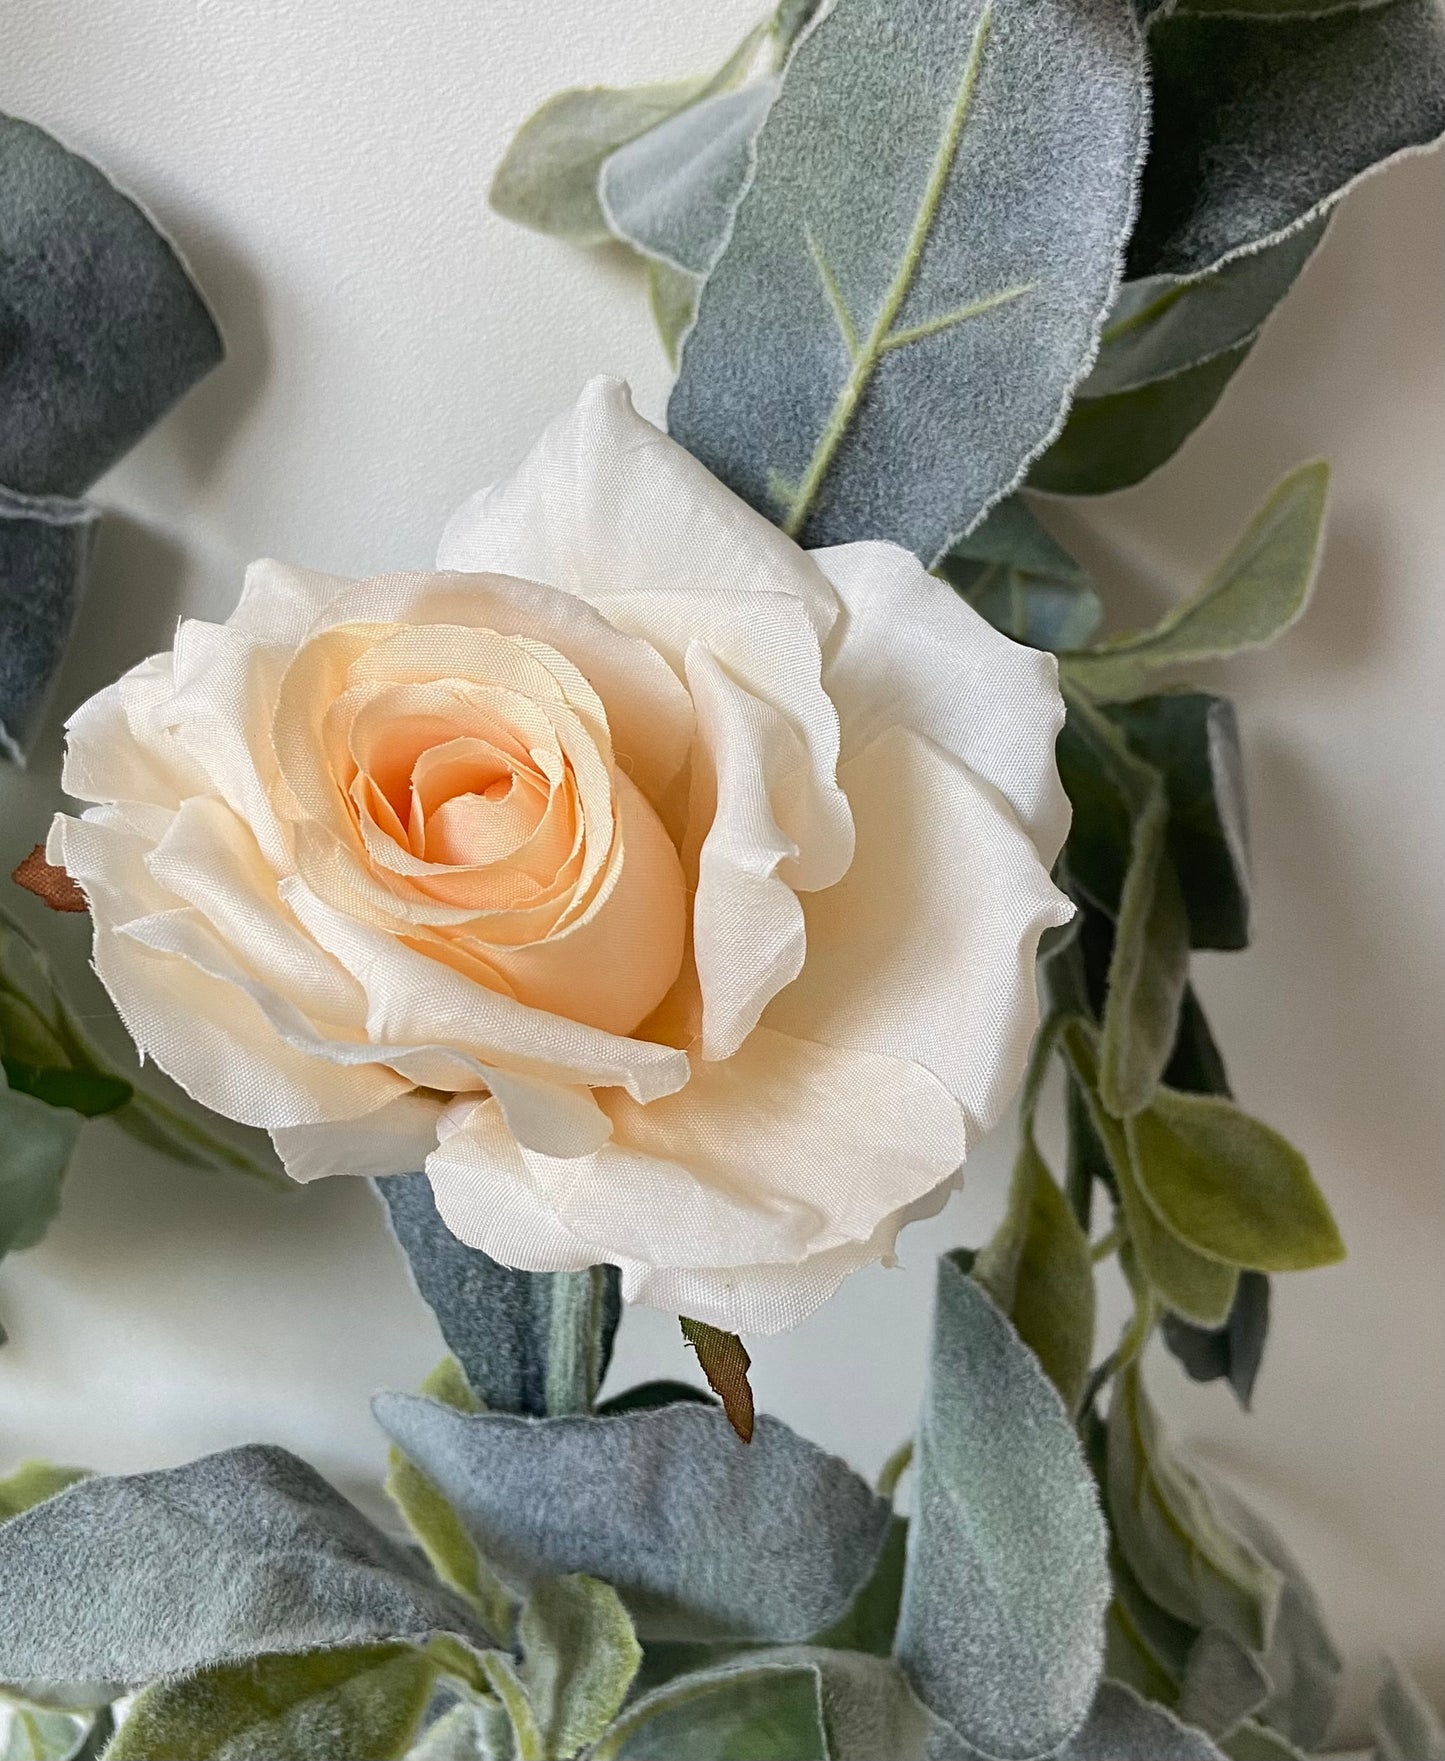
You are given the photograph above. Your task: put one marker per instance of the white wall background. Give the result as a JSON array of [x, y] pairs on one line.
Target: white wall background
[[392, 345]]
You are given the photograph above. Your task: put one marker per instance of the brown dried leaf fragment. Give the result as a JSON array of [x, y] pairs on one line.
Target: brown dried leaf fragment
[[725, 1363], [50, 884]]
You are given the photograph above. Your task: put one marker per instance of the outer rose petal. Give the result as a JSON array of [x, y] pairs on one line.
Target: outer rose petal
[[396, 1139], [925, 950], [777, 1158], [908, 652]]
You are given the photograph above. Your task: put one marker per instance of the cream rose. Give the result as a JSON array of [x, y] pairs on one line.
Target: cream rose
[[669, 893]]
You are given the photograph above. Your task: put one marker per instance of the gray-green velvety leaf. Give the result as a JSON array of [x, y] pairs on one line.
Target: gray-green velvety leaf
[[1223, 1683], [83, 1091], [1001, 1630], [1257, 1742], [104, 329], [871, 1623], [869, 1711], [1186, 1555], [672, 298], [1124, 1727], [742, 1712], [365, 1704], [580, 1655], [38, 1734], [1037, 1269], [1111, 443], [529, 1342], [1407, 1727], [1233, 1352], [649, 1394], [879, 354], [45, 546], [1302, 1662], [1013, 573], [36, 1143], [704, 1536], [1254, 595], [672, 192], [1229, 1186], [1259, 126], [547, 179], [228, 1558], [459, 1735], [1162, 324], [1192, 740]]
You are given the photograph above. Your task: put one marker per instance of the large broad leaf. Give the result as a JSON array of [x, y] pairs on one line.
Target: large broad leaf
[[365, 1703], [247, 1552], [1229, 1186], [1407, 1727], [529, 1342], [1001, 1631], [1259, 126], [764, 1712], [1256, 593], [1223, 1683], [1037, 1269], [1186, 1555], [1115, 441], [580, 1655], [1014, 574], [704, 1536], [879, 353], [104, 329], [1192, 740], [45, 545]]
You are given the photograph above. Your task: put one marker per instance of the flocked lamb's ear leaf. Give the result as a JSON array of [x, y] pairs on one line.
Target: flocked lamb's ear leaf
[[1001, 1631], [1230, 1186], [1233, 1352], [580, 1656], [1257, 1742], [879, 354], [1256, 593], [1113, 442], [1192, 740], [869, 1711], [672, 192], [463, 1734], [871, 1623], [32, 1483], [1259, 125], [45, 545], [1303, 1663], [104, 328], [649, 1394], [1012, 572], [248, 1552], [1407, 1727], [768, 1540], [752, 1709], [672, 298], [1187, 1556], [365, 1702], [529, 1342], [1223, 1683], [1124, 1727]]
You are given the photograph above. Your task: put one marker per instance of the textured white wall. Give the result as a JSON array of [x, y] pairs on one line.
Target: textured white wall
[[392, 345]]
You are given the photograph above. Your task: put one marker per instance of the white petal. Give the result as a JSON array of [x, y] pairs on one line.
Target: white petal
[[925, 950], [118, 749], [280, 603], [396, 1139], [606, 505], [909, 652]]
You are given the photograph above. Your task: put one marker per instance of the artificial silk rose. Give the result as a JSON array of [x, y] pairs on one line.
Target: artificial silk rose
[[671, 894]]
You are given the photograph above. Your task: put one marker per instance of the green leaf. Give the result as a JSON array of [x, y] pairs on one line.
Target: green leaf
[[36, 1143], [1190, 1283], [1257, 1742], [1014, 574], [1192, 740], [741, 1712], [466, 1733], [440, 1531], [580, 1656], [38, 1734], [1257, 592], [1113, 442], [196, 1138], [82, 1091], [365, 1703], [1260, 125], [1223, 1683], [647, 1395], [1003, 1605], [878, 354], [1232, 1352], [1407, 1727], [672, 298], [871, 1623], [25, 1034], [529, 1342], [32, 1483], [248, 1551], [542, 1498], [1186, 1556], [1037, 1269], [1229, 1186]]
